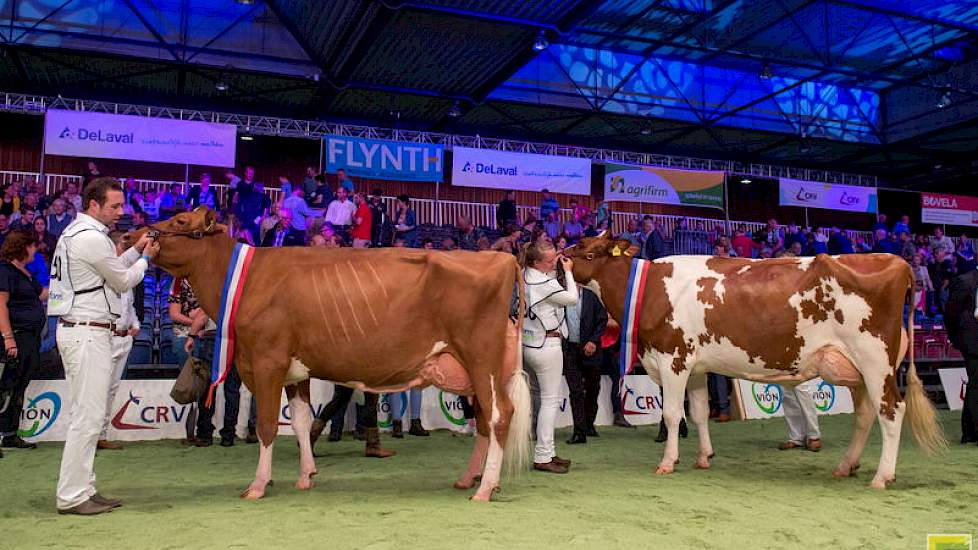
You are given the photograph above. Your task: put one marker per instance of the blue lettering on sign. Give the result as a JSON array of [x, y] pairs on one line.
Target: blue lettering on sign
[[161, 413], [495, 170], [107, 137]]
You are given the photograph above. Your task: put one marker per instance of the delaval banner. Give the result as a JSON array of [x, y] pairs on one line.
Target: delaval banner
[[100, 135], [949, 209], [385, 160], [663, 186], [520, 171], [762, 400], [955, 382], [829, 196]]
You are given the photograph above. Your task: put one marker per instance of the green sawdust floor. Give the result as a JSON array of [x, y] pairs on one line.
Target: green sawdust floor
[[754, 497]]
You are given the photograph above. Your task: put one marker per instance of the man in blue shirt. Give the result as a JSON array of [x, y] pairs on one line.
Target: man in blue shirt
[[296, 204], [343, 180], [548, 206]]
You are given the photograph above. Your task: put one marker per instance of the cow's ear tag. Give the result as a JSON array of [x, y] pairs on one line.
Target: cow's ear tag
[[616, 251]]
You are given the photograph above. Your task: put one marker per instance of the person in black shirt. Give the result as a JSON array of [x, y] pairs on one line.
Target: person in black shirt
[[506, 210], [379, 223], [22, 317]]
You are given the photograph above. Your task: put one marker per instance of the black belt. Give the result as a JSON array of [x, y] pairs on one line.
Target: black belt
[[554, 334]]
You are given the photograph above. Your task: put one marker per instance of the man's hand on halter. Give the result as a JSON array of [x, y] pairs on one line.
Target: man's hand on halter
[[151, 249]]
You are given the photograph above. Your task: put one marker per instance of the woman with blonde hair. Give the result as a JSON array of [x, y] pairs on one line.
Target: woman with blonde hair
[[544, 329]]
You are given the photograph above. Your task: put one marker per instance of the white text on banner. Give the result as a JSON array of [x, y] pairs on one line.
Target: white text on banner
[[102, 135], [520, 171], [829, 196]]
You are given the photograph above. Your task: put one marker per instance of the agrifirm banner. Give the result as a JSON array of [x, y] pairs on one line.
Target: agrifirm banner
[[520, 171], [101, 135], [949, 209], [955, 382], [663, 186], [385, 160], [830, 196], [762, 400]]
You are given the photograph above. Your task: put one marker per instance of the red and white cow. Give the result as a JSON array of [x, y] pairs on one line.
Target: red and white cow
[[780, 321]]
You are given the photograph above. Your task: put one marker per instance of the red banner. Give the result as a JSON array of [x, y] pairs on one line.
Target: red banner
[[949, 209]]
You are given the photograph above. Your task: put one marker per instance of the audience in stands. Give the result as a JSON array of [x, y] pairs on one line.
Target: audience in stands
[[468, 233], [506, 211], [406, 225], [202, 195]]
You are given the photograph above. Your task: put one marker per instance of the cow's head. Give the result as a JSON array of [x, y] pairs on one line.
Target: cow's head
[[593, 254], [177, 234]]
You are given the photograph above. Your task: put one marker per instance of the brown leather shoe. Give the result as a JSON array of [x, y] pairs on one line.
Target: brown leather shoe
[[373, 448], [565, 462], [721, 418], [552, 467], [106, 501], [788, 445], [87, 508], [814, 445], [105, 445]]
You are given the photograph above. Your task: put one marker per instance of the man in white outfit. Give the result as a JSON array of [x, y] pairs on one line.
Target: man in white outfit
[[127, 327], [799, 411], [87, 282]]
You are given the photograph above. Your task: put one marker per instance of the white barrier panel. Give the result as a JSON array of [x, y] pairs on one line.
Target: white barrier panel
[[143, 410], [102, 135], [763, 400], [955, 381]]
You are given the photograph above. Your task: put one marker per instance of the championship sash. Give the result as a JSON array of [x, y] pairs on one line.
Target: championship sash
[[234, 282]]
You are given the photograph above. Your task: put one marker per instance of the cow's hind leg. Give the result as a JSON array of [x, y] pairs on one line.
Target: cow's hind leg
[[884, 398], [301, 423], [699, 411], [477, 461], [268, 396], [674, 390], [497, 415], [863, 425]]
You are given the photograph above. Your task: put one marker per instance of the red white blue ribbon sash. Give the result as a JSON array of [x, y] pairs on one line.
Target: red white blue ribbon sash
[[634, 294], [234, 282]]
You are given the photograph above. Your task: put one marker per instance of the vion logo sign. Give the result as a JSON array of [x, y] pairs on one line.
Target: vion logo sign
[[96, 135]]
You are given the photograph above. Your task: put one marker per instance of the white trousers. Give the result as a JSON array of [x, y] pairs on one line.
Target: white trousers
[[87, 356], [799, 411], [121, 346], [548, 364]]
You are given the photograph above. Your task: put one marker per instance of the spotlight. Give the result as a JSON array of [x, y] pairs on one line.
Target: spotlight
[[541, 42], [766, 73], [647, 129], [246, 137], [455, 110], [246, 2], [745, 180], [221, 86], [944, 101]]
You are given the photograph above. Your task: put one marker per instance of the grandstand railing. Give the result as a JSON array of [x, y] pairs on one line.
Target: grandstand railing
[[440, 212]]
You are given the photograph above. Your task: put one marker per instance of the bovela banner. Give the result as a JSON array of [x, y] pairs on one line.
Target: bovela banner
[[520, 171], [829, 196], [143, 409], [955, 382], [385, 160], [949, 209], [101, 135], [763, 400], [663, 186]]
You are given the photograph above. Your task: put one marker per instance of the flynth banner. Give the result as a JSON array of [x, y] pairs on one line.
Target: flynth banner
[[763, 400], [830, 196], [520, 171], [663, 186], [100, 135], [385, 160], [949, 209]]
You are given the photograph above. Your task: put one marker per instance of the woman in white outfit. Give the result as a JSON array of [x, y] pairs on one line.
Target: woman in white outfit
[[543, 329]]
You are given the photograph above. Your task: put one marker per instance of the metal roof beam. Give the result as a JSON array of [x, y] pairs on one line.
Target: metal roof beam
[[223, 32], [152, 30], [969, 29]]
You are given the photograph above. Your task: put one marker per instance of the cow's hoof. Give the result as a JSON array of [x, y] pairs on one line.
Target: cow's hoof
[[881, 482], [485, 496], [663, 470], [845, 470], [304, 483], [703, 463], [252, 493], [463, 485]]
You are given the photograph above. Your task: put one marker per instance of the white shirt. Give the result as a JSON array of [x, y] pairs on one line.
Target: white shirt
[[545, 300], [93, 263], [340, 212], [128, 318]]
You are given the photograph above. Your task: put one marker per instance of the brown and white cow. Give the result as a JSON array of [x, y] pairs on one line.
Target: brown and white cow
[[378, 320], [782, 321]]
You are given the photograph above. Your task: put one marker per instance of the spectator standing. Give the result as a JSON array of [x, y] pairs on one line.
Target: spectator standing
[[742, 244], [922, 284], [309, 185], [902, 226], [653, 245], [548, 206], [324, 194], [406, 226], [965, 254], [342, 180], [633, 233], [58, 219], [340, 212], [301, 212], [379, 221], [942, 272], [802, 418], [285, 185], [362, 222], [962, 330], [91, 172], [579, 212], [506, 210], [602, 217], [881, 224], [252, 203], [774, 239], [940, 240], [586, 322]]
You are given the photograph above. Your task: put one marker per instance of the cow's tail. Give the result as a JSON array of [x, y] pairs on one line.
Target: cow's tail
[[517, 456], [920, 411]]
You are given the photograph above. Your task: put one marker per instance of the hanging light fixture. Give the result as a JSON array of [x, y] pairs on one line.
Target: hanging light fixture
[[221, 86], [541, 43], [455, 111], [745, 180], [766, 73]]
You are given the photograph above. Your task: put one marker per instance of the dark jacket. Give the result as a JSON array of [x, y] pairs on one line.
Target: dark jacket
[[653, 247], [959, 313], [594, 319], [293, 238]]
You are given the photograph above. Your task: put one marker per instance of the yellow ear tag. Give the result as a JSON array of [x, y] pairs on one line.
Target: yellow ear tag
[[616, 251]]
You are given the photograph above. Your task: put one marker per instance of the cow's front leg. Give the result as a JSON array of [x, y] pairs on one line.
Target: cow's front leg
[[268, 395], [673, 386], [301, 422]]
